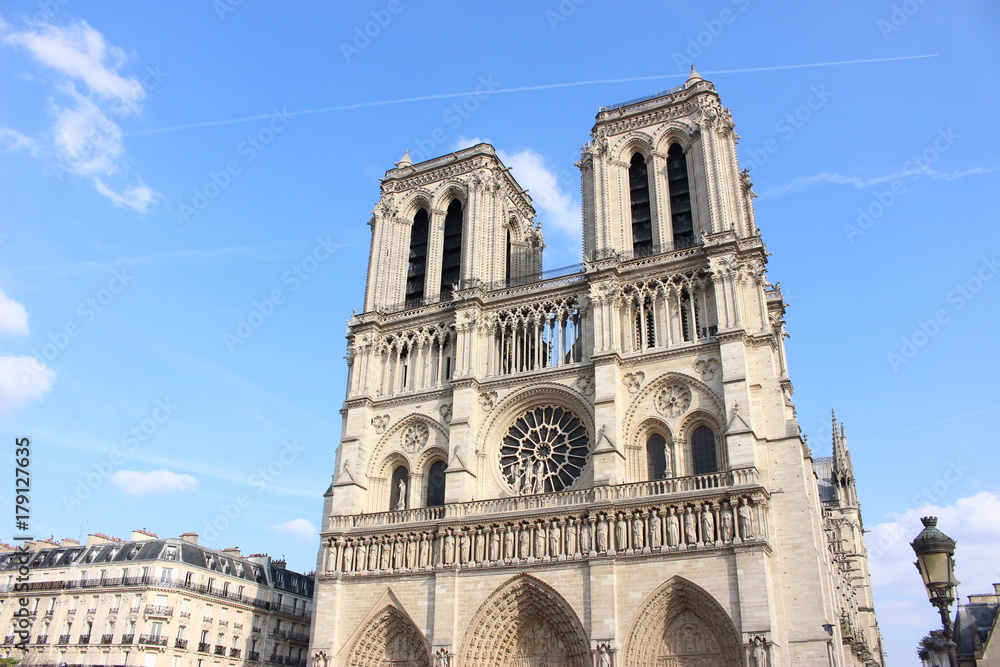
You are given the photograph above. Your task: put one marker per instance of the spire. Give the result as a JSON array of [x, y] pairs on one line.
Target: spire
[[843, 471], [693, 77], [405, 161]]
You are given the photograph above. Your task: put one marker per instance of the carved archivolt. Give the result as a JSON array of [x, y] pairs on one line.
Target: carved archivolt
[[390, 638], [682, 624], [700, 398], [411, 434], [525, 622]]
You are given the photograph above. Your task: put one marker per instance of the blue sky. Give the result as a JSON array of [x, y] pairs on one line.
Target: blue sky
[[185, 187]]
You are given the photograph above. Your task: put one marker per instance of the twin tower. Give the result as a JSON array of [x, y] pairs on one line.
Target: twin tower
[[600, 467]]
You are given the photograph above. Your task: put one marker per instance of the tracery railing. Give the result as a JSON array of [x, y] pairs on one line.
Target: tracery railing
[[532, 336]]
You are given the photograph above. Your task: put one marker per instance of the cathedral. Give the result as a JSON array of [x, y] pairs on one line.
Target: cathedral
[[599, 466]]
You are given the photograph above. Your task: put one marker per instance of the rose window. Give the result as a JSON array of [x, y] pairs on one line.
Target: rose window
[[673, 400], [545, 450], [415, 437]]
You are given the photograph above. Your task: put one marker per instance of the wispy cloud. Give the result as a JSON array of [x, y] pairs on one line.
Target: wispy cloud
[[83, 140], [137, 483], [832, 178], [300, 529]]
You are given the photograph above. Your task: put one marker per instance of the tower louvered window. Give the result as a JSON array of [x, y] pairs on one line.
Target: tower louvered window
[[642, 222], [681, 219], [451, 258], [416, 270]]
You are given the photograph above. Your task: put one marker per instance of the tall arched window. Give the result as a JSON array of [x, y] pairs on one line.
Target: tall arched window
[[681, 219], [510, 256], [416, 269], [656, 457], [642, 221], [400, 489], [451, 258], [703, 451], [435, 484]]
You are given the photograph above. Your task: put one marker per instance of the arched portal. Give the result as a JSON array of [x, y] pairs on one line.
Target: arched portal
[[681, 625], [525, 622], [390, 638]]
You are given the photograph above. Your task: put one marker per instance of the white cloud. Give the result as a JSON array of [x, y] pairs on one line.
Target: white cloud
[[136, 482], [13, 317], [80, 52], [86, 140], [299, 528], [136, 197], [23, 380], [83, 139], [801, 183], [904, 613], [12, 140]]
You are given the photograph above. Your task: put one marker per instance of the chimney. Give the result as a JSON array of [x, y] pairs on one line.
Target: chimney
[[190, 538], [142, 535], [232, 551], [69, 542]]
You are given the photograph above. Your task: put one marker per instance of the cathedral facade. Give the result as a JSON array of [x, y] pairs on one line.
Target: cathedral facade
[[601, 466]]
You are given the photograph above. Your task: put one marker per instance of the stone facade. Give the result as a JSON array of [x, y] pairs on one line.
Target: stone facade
[[151, 602], [598, 467]]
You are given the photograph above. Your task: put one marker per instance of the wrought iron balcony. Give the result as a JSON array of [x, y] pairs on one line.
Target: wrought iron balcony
[[128, 639], [107, 639], [203, 647], [220, 650], [42, 639], [253, 656], [92, 611], [234, 652], [185, 614], [63, 639], [84, 639], [159, 610], [153, 640], [8, 639], [180, 643]]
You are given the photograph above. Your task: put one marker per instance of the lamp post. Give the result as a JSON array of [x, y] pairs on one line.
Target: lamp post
[[935, 560]]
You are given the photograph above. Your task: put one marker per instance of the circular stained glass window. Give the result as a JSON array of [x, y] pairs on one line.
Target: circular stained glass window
[[545, 450]]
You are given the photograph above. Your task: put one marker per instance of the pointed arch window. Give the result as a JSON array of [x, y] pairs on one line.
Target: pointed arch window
[[510, 256], [416, 269], [703, 451], [435, 484], [642, 221], [451, 258], [399, 488], [656, 457], [681, 219]]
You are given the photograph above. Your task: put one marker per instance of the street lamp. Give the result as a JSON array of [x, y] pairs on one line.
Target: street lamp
[[935, 560]]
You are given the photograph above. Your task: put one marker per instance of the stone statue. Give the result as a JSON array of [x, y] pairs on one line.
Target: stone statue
[[758, 653], [538, 478], [707, 524], [525, 541], [397, 554], [586, 538], [464, 546], [385, 555], [668, 470], [494, 545], [602, 535], [571, 537], [523, 478], [361, 556], [746, 520], [449, 547], [540, 541], [554, 534], [638, 532], [348, 557], [690, 526], [727, 523], [508, 543], [411, 552], [603, 656], [620, 534], [673, 529], [655, 530], [424, 555], [401, 503], [373, 555]]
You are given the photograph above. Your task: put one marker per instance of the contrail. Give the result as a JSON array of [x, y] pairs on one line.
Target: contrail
[[521, 89]]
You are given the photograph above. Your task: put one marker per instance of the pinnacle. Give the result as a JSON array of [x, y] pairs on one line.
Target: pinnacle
[[405, 161], [693, 76]]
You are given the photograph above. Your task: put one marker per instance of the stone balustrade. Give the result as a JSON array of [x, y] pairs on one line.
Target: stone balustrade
[[626, 520]]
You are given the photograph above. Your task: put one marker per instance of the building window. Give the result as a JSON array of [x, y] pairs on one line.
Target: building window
[[416, 269], [642, 221], [435, 484], [451, 258], [399, 488], [681, 219], [656, 457], [703, 451]]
